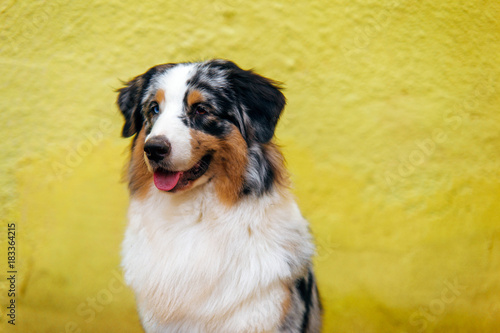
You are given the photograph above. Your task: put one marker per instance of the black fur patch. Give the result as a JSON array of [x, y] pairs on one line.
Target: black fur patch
[[305, 288]]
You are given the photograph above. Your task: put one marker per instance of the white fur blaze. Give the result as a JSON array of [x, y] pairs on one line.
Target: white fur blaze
[[169, 123]]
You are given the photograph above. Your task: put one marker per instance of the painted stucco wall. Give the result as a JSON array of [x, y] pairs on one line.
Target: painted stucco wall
[[391, 133]]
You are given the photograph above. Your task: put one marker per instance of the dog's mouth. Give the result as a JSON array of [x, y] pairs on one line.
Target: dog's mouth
[[171, 181]]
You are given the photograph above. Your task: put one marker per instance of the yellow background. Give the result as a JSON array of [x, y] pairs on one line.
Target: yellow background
[[391, 133]]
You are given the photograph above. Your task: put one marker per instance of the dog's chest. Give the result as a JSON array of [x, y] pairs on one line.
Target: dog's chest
[[201, 261]]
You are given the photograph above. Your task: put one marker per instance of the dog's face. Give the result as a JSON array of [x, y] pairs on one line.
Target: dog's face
[[198, 122]]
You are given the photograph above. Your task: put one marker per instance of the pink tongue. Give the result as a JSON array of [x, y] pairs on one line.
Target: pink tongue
[[166, 181]]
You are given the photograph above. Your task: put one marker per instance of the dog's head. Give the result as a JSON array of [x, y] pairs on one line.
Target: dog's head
[[198, 122]]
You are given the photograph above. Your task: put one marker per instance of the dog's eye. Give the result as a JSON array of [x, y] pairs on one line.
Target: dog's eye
[[201, 109], [155, 108]]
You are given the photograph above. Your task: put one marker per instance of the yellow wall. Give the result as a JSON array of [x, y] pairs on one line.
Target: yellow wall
[[391, 133]]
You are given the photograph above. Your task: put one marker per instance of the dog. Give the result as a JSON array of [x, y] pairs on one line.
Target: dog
[[215, 240]]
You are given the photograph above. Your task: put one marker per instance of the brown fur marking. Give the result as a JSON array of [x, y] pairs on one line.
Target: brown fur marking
[[160, 96], [139, 176], [194, 96], [228, 163]]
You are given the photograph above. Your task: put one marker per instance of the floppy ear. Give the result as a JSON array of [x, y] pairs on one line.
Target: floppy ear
[[262, 99], [130, 100]]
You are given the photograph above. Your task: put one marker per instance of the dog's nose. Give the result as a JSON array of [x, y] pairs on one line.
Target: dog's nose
[[157, 148]]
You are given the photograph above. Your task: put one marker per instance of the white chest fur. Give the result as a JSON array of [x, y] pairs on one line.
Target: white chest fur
[[198, 266]]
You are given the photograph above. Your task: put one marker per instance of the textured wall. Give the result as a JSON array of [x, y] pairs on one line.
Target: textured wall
[[391, 133]]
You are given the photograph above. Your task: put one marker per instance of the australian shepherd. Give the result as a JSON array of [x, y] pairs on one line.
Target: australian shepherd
[[215, 241]]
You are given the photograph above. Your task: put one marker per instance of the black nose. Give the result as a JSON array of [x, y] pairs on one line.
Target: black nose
[[157, 148]]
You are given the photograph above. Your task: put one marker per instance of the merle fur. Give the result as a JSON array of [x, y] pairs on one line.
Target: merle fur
[[306, 310]]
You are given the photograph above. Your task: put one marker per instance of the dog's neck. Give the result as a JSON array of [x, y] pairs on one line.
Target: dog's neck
[[201, 204]]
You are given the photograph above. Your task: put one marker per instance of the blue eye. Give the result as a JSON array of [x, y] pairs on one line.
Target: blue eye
[[155, 108]]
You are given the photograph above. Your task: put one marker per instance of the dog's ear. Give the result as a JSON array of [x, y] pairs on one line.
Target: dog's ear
[[262, 100], [130, 100]]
